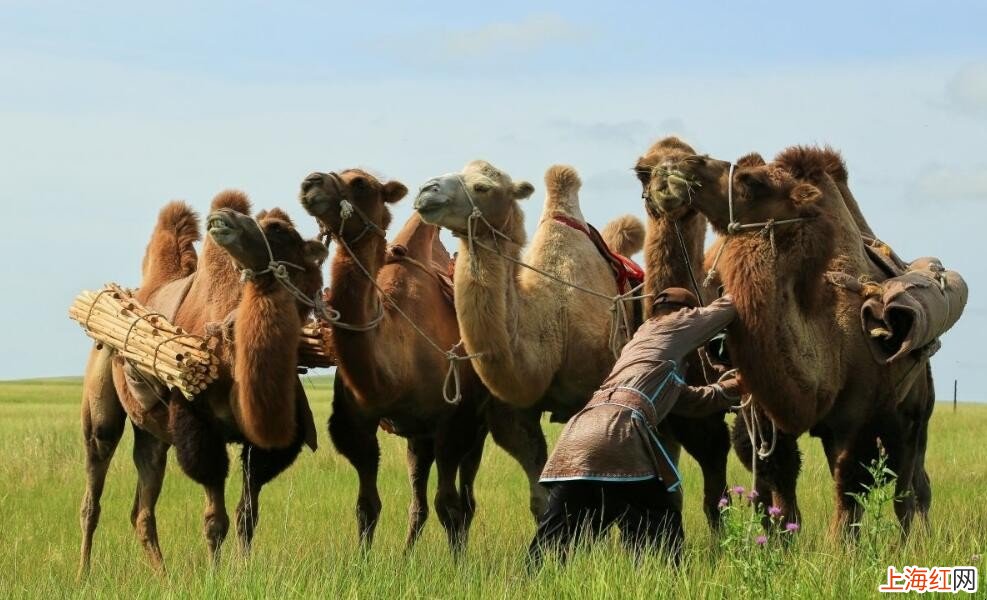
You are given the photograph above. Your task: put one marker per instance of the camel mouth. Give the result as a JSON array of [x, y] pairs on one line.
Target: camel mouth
[[222, 228], [430, 206], [315, 202]]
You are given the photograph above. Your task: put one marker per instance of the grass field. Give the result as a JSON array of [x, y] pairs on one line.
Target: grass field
[[306, 541]]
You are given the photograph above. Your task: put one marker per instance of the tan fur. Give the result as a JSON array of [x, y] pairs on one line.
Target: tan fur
[[540, 342], [624, 235], [170, 253]]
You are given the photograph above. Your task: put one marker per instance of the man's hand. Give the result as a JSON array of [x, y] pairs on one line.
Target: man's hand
[[734, 389]]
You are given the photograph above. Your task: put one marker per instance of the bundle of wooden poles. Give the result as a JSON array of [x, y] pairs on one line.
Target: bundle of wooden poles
[[314, 345], [150, 342], [165, 351]]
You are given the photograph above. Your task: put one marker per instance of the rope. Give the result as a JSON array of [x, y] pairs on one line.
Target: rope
[[620, 319], [451, 355], [766, 228]]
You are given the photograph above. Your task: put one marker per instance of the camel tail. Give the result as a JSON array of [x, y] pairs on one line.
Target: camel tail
[[171, 252], [624, 235], [233, 199]]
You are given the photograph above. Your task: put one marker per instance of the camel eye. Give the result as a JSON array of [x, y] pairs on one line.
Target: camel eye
[[481, 188]]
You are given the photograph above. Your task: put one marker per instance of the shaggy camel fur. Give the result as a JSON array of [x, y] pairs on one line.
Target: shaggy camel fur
[[389, 373], [268, 415], [798, 341], [707, 439], [540, 345]]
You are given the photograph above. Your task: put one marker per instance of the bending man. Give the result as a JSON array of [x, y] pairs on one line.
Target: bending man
[[608, 466]]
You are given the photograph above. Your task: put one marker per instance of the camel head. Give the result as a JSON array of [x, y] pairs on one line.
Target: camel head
[[661, 156], [449, 201], [253, 243], [322, 195]]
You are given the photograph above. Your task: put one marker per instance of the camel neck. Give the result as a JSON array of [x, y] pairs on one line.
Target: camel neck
[[667, 267], [356, 298], [488, 306], [219, 279]]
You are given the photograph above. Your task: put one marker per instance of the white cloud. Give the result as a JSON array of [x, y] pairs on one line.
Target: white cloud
[[967, 90], [950, 183]]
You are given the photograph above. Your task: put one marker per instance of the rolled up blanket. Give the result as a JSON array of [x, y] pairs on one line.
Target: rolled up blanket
[[913, 309]]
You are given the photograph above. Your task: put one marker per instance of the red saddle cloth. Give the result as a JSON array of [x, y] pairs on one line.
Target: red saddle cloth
[[627, 273]]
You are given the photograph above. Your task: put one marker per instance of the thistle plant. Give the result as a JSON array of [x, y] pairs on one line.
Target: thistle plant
[[876, 528], [754, 552]]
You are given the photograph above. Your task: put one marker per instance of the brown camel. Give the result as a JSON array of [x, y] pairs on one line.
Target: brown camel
[[257, 400], [388, 374], [539, 345], [798, 341], [675, 259]]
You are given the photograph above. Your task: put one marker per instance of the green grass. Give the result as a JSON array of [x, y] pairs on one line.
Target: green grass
[[306, 541]]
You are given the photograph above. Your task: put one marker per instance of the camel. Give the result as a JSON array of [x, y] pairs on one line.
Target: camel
[[538, 345], [388, 374], [674, 262], [257, 401], [798, 341]]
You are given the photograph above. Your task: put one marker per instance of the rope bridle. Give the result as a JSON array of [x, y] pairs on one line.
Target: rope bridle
[[346, 211], [734, 227], [620, 323]]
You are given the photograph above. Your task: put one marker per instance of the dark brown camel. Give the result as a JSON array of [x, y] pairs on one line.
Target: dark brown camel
[[390, 374], [675, 259], [257, 400], [798, 341]]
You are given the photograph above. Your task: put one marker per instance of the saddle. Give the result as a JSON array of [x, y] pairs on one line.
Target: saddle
[[628, 274]]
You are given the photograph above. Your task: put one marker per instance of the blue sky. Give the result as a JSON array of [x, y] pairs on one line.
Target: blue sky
[[108, 110]]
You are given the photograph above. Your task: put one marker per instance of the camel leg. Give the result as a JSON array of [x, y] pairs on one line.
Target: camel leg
[[468, 469], [708, 441], [454, 442], [103, 420], [421, 455], [150, 458], [777, 475], [259, 466], [201, 453], [355, 436], [519, 433]]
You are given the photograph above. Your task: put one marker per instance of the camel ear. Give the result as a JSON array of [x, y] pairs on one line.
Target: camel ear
[[805, 194], [394, 191], [316, 252], [522, 190]]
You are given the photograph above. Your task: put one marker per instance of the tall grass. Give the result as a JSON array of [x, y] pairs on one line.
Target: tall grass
[[306, 541]]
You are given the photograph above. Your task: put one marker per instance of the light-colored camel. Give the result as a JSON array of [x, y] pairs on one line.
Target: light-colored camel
[[675, 259], [257, 400], [540, 345], [388, 372], [798, 341]]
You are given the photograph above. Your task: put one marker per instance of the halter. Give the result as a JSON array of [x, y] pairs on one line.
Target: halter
[[734, 227], [346, 210]]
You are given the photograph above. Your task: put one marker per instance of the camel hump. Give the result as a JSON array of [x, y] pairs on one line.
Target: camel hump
[[813, 162], [562, 180], [234, 200], [171, 254], [624, 235]]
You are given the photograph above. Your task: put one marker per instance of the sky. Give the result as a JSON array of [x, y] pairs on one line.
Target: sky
[[108, 110]]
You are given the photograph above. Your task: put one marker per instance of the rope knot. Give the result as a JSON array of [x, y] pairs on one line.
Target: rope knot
[[345, 209], [733, 227]]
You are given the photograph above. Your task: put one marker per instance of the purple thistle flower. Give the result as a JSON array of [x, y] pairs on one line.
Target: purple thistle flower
[[791, 527], [738, 489], [752, 496], [724, 502], [761, 540], [774, 511]]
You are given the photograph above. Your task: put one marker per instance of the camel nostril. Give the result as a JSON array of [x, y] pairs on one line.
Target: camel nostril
[[311, 181]]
